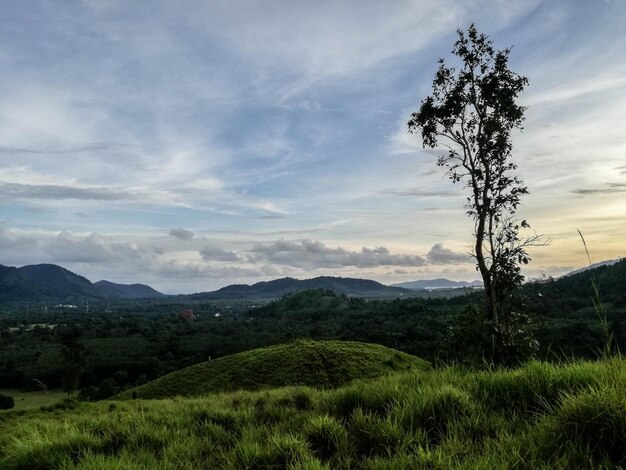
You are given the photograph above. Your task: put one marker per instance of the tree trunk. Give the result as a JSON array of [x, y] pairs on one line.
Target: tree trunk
[[490, 304]]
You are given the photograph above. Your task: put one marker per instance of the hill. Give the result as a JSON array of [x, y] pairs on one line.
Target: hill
[[574, 291], [323, 364], [439, 283], [16, 286], [53, 283], [599, 264], [280, 287], [308, 302], [126, 291], [62, 282]]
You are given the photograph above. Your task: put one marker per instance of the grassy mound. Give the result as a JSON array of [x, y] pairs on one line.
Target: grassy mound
[[541, 416], [322, 364]]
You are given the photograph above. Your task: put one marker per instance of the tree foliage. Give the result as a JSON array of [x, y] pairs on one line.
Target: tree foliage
[[73, 354], [471, 113]]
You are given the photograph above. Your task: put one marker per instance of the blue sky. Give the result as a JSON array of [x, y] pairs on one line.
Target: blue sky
[[194, 144]]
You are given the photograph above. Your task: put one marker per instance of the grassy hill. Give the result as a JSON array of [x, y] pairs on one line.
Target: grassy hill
[[541, 415], [280, 287], [323, 364]]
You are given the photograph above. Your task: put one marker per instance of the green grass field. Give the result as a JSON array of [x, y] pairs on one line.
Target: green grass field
[[36, 399], [320, 364], [539, 416]]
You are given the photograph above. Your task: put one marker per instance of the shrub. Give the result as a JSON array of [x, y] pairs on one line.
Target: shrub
[[6, 402]]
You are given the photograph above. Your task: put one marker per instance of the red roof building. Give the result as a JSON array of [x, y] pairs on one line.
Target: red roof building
[[186, 314]]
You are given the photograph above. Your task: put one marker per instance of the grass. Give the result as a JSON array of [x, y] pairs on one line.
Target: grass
[[540, 415], [33, 399], [321, 364]]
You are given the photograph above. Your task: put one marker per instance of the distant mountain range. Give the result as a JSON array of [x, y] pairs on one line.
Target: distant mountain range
[[49, 283], [280, 287], [52, 283], [439, 283]]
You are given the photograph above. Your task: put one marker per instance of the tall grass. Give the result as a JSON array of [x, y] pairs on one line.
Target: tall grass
[[536, 416], [599, 306]]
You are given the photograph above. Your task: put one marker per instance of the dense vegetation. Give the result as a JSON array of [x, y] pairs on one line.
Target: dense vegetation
[[322, 364], [537, 416], [128, 344]]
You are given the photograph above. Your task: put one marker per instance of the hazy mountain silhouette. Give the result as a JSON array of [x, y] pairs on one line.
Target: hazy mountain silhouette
[[439, 283], [280, 287]]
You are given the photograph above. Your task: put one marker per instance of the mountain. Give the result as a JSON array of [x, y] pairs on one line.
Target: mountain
[[599, 264], [126, 291], [280, 287], [575, 290], [439, 283], [320, 364], [16, 286], [60, 281], [52, 283]]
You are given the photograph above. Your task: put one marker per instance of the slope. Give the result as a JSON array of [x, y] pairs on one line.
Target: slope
[[280, 287], [62, 282], [541, 415], [126, 291], [324, 364], [15, 286]]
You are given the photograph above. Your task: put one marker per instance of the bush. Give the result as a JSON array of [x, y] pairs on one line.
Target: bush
[[6, 402]]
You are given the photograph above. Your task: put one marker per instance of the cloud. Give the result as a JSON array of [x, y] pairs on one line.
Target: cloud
[[214, 253], [438, 254], [271, 217], [419, 192], [181, 233], [311, 254], [90, 148], [12, 245], [52, 191], [95, 248], [610, 189]]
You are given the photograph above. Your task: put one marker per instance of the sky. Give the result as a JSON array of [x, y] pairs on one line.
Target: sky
[[194, 144]]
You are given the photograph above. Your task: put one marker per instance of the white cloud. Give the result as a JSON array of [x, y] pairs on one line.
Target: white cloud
[[251, 121], [439, 254], [95, 248], [311, 254]]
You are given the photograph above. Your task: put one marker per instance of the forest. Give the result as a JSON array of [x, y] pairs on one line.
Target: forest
[[131, 343]]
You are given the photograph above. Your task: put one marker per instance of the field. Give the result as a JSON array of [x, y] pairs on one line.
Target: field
[[537, 416], [31, 400]]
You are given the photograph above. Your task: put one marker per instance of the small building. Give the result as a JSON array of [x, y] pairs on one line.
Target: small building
[[187, 314]]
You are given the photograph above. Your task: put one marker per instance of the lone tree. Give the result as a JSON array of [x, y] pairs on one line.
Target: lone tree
[[73, 354], [471, 113]]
